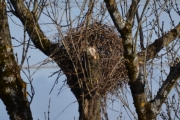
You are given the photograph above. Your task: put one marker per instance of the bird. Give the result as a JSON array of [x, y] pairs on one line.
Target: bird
[[91, 51]]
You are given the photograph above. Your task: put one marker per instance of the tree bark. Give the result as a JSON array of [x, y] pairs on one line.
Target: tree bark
[[84, 87], [12, 87], [89, 105], [146, 110], [89, 108], [136, 83]]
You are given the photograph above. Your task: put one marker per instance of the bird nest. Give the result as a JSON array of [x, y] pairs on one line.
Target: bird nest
[[93, 58]]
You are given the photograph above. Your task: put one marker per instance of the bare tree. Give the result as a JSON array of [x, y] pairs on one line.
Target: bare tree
[[100, 59]]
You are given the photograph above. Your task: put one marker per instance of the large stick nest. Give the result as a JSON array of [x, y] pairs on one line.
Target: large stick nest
[[109, 63]]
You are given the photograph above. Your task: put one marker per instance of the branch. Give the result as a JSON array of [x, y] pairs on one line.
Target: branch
[[154, 48], [115, 15], [125, 29], [139, 19], [28, 19], [167, 86], [141, 36], [152, 108], [149, 110], [132, 10]]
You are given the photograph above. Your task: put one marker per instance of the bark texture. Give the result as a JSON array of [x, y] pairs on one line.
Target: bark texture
[[89, 107], [12, 87]]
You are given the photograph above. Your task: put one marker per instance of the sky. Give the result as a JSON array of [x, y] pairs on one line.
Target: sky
[[42, 84], [65, 102], [61, 104]]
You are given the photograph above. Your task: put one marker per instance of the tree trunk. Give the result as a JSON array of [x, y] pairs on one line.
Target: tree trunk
[[12, 87], [88, 101], [89, 108]]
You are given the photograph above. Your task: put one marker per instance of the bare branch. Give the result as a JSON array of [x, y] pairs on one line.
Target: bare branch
[[154, 48], [132, 11], [141, 37], [125, 29], [33, 29], [115, 15], [167, 86], [139, 20]]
